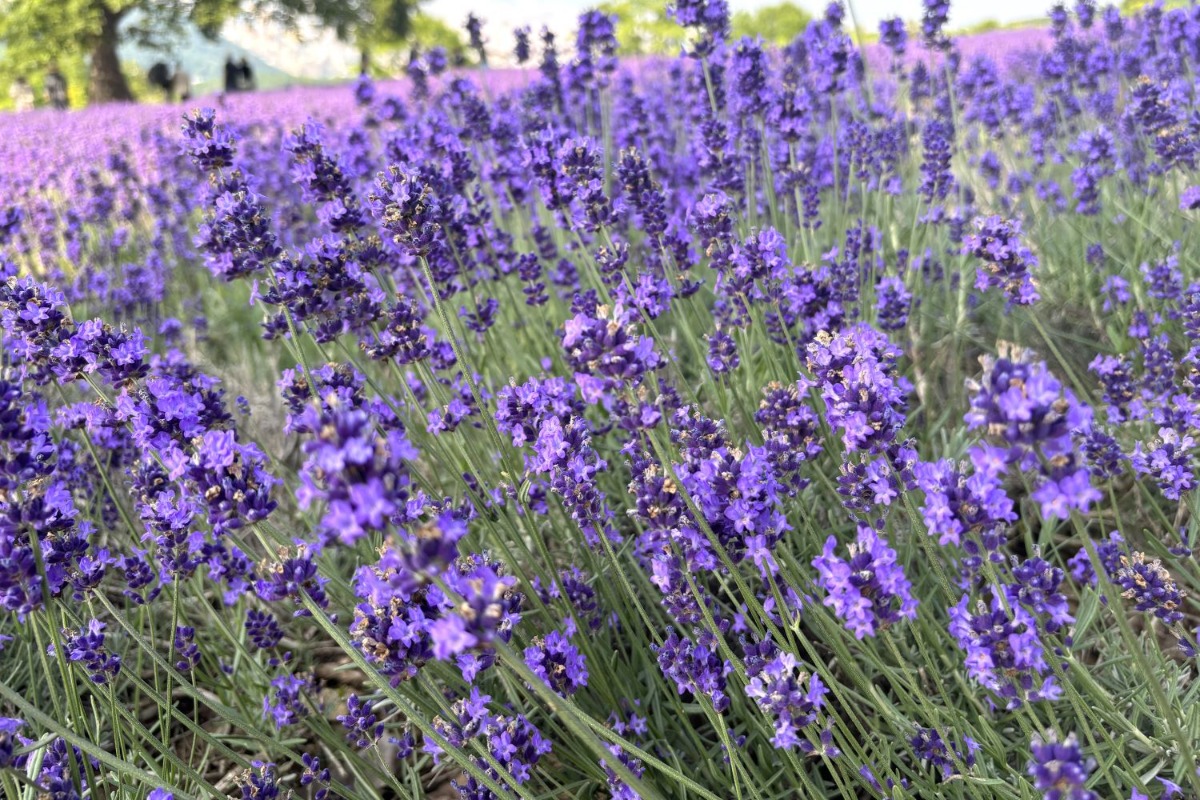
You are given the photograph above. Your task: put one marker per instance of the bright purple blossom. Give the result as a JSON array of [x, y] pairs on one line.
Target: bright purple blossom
[[869, 590]]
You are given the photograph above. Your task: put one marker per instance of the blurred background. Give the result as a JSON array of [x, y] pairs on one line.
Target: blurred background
[[67, 53]]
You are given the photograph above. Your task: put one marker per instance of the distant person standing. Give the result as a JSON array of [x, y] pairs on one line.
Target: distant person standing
[[246, 76], [232, 75], [21, 94], [56, 87], [181, 85]]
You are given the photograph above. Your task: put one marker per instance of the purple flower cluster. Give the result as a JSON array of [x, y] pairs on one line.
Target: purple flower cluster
[[789, 696], [695, 667], [1150, 586], [929, 746], [869, 591], [407, 618], [357, 458], [1008, 262], [558, 662], [1004, 650], [961, 507], [285, 704], [88, 648], [514, 743], [1028, 414], [704, 221], [1059, 769], [865, 396]]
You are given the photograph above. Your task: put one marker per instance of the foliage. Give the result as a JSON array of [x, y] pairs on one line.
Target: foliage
[[643, 27], [778, 24], [425, 32]]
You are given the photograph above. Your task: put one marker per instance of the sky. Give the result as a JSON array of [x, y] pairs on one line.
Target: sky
[[502, 16]]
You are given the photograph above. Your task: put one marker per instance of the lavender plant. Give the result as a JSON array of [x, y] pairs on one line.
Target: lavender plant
[[757, 423]]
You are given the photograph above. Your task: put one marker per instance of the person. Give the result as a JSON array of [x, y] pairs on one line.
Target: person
[[246, 75], [232, 75], [56, 87], [22, 95], [181, 85], [159, 76]]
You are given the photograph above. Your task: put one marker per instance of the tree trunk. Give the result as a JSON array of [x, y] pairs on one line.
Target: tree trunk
[[106, 82]]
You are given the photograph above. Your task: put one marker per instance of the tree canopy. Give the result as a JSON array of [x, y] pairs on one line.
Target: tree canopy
[[424, 32], [36, 32], [777, 24], [643, 26]]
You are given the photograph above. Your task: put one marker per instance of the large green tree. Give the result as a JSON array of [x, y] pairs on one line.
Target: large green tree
[[644, 27], [386, 49], [777, 24], [35, 32]]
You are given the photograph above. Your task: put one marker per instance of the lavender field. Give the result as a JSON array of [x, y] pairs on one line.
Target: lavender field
[[757, 423]]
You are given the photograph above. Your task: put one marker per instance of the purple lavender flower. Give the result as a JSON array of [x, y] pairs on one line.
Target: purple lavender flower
[[260, 782], [864, 394], [361, 724], [937, 181], [1116, 376], [711, 17], [892, 304], [208, 144], [695, 666], [514, 743], [1007, 260], [937, 13], [10, 740], [606, 344], [262, 629], [1169, 462], [1189, 199], [1037, 585], [777, 685], [929, 746], [285, 703], [186, 649], [722, 353], [558, 662], [1004, 651], [521, 48], [291, 577], [314, 773], [958, 504], [474, 26], [618, 789], [87, 647], [1150, 585], [868, 592], [791, 430], [407, 209], [1031, 417], [1059, 769], [893, 34]]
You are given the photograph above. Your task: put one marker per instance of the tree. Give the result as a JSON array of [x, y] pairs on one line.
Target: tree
[[643, 27], [36, 32], [422, 32], [778, 24]]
